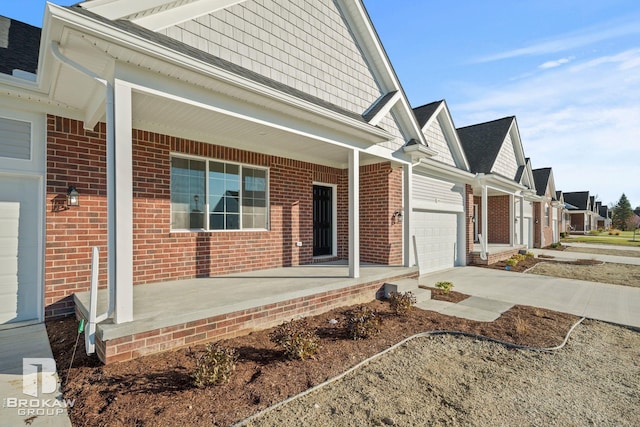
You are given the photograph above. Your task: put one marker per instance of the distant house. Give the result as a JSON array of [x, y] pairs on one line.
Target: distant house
[[581, 211], [604, 216], [546, 209]]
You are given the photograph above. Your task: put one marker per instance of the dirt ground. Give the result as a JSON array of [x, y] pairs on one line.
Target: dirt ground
[[616, 274], [594, 249], [157, 390]]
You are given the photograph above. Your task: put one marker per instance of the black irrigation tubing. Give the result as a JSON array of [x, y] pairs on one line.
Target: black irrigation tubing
[[393, 347]]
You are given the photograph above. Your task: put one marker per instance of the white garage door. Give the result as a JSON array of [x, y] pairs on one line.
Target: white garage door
[[435, 239], [19, 252]]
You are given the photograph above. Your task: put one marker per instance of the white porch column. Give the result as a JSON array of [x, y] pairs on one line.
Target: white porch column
[[407, 170], [484, 242], [120, 205], [521, 242], [512, 219], [354, 213]]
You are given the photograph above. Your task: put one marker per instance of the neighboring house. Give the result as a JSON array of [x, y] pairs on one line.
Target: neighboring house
[[546, 209], [205, 138], [604, 216], [441, 193], [495, 154], [563, 213], [583, 217]]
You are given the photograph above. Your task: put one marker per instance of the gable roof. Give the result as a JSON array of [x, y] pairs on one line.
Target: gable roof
[[438, 112], [541, 177], [592, 203], [482, 142], [142, 19], [19, 46], [579, 199]]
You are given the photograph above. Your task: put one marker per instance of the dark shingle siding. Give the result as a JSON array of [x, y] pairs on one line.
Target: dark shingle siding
[[19, 46]]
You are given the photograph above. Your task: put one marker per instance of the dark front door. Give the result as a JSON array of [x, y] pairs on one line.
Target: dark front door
[[322, 220]]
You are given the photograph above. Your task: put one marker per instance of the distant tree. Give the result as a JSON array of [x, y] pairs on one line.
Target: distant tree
[[633, 223], [621, 213]]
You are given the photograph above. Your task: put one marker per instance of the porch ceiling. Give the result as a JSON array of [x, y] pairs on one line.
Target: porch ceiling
[[225, 114]]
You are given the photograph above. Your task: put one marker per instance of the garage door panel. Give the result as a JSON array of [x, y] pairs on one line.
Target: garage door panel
[[19, 253], [435, 239]]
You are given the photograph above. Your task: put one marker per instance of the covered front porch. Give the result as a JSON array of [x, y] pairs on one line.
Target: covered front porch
[[184, 312]]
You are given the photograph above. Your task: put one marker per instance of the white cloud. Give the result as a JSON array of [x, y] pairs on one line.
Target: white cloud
[[583, 120], [568, 41], [556, 63]]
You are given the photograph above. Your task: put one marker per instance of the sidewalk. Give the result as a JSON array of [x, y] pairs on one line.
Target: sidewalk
[[610, 303], [19, 409], [564, 255]]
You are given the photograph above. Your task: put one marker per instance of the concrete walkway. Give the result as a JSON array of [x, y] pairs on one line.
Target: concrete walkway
[[610, 303], [42, 407]]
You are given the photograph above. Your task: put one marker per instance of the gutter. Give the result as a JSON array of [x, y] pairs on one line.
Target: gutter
[[94, 318]]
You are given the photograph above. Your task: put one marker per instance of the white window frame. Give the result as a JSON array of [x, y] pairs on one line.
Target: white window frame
[[206, 212]]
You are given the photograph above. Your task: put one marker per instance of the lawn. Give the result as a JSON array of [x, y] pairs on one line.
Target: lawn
[[624, 239]]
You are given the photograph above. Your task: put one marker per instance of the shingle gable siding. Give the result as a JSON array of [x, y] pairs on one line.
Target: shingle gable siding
[[506, 164], [303, 44], [436, 140]]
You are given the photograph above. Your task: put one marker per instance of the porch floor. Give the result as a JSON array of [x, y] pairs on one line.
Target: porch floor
[[165, 304]]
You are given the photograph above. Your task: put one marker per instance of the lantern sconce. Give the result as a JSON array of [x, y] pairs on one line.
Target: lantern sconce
[[73, 197], [396, 218]]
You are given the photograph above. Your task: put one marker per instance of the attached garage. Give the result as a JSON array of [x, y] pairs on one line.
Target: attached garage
[[21, 219], [438, 226]]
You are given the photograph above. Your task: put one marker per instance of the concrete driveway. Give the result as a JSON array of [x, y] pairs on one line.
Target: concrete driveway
[[610, 303]]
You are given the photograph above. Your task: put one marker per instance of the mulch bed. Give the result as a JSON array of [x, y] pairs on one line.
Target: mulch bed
[[157, 390]]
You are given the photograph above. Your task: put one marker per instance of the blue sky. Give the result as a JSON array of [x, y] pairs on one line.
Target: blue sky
[[568, 70]]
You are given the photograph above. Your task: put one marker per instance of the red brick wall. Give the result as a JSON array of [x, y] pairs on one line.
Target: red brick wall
[[541, 228], [77, 157], [380, 239], [498, 221]]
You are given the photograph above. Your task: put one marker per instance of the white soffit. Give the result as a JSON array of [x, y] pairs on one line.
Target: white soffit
[[118, 9], [188, 11]]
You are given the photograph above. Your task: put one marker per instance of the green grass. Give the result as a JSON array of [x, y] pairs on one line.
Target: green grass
[[624, 239]]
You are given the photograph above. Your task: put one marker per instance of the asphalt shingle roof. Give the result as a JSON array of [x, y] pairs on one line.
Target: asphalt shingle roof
[[19, 46], [579, 199], [482, 143], [424, 112], [541, 180]]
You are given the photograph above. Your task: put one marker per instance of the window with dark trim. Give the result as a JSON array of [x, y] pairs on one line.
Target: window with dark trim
[[215, 195]]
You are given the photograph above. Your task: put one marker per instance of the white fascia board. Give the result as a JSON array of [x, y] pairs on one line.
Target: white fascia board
[[515, 137], [417, 152], [367, 39], [435, 169], [499, 183], [384, 110], [170, 17], [117, 9], [146, 47]]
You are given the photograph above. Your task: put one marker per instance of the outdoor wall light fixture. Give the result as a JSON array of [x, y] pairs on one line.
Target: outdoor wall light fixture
[[73, 198], [396, 218], [537, 221]]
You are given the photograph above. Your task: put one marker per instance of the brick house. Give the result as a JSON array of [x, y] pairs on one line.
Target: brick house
[[547, 219], [203, 139], [581, 211], [503, 189]]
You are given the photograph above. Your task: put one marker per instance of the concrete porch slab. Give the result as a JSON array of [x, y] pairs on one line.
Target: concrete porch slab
[[179, 313]]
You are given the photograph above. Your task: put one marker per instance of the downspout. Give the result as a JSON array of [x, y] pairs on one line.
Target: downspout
[[94, 318]]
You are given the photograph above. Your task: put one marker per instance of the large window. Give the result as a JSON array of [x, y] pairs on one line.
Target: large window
[[214, 195]]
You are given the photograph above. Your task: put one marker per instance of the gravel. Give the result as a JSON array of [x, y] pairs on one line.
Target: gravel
[[447, 380]]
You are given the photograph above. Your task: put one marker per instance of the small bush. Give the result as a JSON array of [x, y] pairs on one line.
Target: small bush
[[401, 302], [363, 322], [512, 262], [529, 255], [555, 245], [296, 339], [614, 231], [214, 366], [522, 327], [564, 234], [594, 232], [519, 257], [444, 286]]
